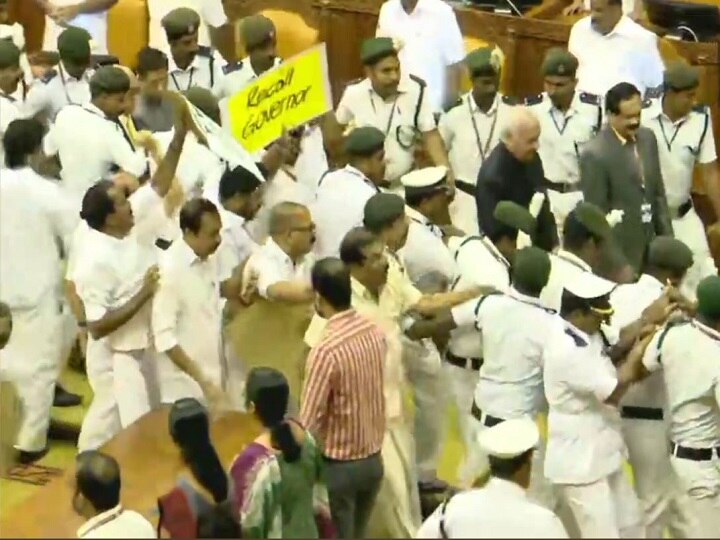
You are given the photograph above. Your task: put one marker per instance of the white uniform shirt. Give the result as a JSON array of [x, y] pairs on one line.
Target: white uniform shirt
[[361, 106], [431, 41], [628, 53], [629, 301], [689, 357], [681, 144], [563, 135], [110, 271], [237, 244], [238, 76], [211, 14], [564, 265], [95, 24], [204, 71], [56, 90], [578, 378], [500, 509], [9, 111], [426, 257], [468, 148], [34, 213], [478, 263], [273, 265], [89, 144], [515, 334], [117, 523], [187, 312], [338, 207]]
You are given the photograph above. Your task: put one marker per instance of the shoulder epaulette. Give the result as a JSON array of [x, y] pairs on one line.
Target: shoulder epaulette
[[49, 76], [451, 107], [205, 51], [580, 342], [232, 67], [418, 80], [534, 100], [647, 103], [507, 100], [701, 108], [590, 99]]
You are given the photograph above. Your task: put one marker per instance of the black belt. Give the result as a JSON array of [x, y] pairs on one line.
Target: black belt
[[562, 187], [459, 361], [694, 454], [333, 460], [465, 187], [488, 421], [684, 208], [641, 413]]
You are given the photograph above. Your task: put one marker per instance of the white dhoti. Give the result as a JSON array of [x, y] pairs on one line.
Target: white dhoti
[[31, 360], [135, 383], [690, 230], [561, 204]]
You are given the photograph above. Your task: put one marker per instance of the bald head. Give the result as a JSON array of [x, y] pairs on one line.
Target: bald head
[[284, 216], [292, 228], [521, 133], [97, 479]]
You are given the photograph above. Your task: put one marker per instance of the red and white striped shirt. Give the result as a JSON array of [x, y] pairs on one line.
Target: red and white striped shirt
[[343, 402]]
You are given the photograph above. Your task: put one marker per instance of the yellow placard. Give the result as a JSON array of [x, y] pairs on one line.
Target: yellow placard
[[285, 97]]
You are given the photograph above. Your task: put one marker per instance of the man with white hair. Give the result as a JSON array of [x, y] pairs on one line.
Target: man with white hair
[[513, 171]]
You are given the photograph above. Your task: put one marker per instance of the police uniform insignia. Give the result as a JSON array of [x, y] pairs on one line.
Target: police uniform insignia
[[232, 67], [590, 99], [534, 100], [49, 76], [507, 100], [418, 80], [205, 51], [580, 342]]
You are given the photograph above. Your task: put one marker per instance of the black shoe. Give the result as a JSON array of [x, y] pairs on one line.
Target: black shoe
[[26, 458], [63, 398], [62, 431]]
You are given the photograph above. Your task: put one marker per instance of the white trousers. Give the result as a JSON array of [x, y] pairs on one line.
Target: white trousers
[[690, 230], [135, 384], [462, 383], [656, 485], [463, 213], [31, 360], [102, 420], [607, 508], [700, 481]]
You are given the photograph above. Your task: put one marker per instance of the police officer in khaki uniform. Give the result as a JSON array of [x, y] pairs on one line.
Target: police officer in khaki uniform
[[396, 104], [471, 129], [685, 139], [189, 64], [568, 119]]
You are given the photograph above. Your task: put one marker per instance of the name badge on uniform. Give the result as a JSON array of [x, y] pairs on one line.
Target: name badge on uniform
[[646, 212]]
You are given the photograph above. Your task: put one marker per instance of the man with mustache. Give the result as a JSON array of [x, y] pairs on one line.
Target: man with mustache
[[620, 170], [10, 75]]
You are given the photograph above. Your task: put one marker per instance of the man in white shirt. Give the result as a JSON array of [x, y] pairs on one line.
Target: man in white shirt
[[342, 194], [34, 215], [501, 508], [612, 48], [90, 15], [10, 76], [212, 18], [97, 498], [432, 46]]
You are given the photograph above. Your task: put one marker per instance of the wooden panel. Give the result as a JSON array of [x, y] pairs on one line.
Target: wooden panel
[[27, 13], [150, 466]]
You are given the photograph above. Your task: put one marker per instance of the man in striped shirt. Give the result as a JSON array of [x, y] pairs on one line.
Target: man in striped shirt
[[343, 402]]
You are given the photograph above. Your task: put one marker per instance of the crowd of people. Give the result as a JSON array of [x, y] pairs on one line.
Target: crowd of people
[[537, 263]]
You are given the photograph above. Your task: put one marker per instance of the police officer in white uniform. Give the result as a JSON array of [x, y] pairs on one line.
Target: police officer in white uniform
[[643, 419], [212, 15], [685, 139], [395, 103], [10, 76], [341, 194], [189, 63], [90, 15], [688, 352], [68, 83], [471, 129], [34, 215], [585, 448], [568, 119], [501, 508]]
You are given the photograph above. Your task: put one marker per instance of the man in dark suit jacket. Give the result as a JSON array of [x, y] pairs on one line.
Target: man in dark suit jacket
[[620, 170]]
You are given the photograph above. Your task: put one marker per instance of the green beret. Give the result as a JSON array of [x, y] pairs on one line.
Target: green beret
[[180, 22], [531, 269], [364, 141], [482, 62], [592, 218], [73, 44], [109, 80], [256, 30], [668, 253], [375, 49], [559, 62], [708, 297], [382, 210], [680, 75], [9, 54], [203, 99], [515, 216]]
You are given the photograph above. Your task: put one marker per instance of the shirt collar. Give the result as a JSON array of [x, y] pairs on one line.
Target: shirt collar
[[517, 295], [656, 111], [359, 290], [95, 110], [622, 28], [711, 332], [341, 317], [572, 109], [574, 259], [623, 140], [100, 520], [277, 251], [101, 237], [69, 78], [476, 110], [230, 219], [403, 86], [173, 67], [650, 281], [186, 253], [507, 486], [416, 216]]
